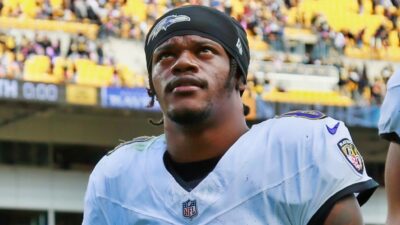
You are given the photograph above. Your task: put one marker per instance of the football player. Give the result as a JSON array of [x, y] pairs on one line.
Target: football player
[[208, 167], [389, 129]]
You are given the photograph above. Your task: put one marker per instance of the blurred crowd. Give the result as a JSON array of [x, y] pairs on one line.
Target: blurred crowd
[[15, 51], [265, 19], [130, 18], [365, 88], [355, 83]]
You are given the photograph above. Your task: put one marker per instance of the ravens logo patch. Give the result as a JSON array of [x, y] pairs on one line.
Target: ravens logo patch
[[351, 154]]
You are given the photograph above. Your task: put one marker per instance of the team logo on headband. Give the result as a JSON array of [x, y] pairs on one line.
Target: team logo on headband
[[165, 23], [239, 46]]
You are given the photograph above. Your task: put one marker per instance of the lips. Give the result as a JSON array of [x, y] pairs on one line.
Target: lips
[[185, 84]]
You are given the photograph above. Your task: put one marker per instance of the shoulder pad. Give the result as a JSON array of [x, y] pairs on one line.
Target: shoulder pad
[[306, 114], [140, 139]]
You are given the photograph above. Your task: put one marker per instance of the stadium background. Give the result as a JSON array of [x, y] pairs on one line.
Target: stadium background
[[73, 78]]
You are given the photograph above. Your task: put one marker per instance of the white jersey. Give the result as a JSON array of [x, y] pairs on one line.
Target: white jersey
[[389, 121], [287, 170]]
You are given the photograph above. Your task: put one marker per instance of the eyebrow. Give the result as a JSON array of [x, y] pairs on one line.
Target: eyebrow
[[163, 47], [171, 46]]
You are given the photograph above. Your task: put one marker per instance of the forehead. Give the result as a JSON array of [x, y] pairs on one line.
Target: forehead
[[177, 41]]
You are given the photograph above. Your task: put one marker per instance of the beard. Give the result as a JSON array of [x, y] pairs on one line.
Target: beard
[[190, 116]]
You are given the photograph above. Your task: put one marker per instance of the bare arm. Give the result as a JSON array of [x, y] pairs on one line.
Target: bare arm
[[392, 181], [345, 212]]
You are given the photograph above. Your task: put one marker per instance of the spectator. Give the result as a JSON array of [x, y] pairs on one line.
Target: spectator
[[364, 87], [378, 90], [79, 8], [380, 38], [340, 42], [93, 11], [359, 38], [360, 6], [396, 3]]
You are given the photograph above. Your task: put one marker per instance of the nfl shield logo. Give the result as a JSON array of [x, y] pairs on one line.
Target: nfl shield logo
[[189, 209]]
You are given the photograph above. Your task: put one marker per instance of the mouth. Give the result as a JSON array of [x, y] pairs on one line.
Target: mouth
[[185, 85]]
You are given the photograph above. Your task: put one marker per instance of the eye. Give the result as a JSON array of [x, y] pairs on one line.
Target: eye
[[163, 55], [206, 50]]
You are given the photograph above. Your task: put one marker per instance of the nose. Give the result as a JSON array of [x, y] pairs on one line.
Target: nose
[[185, 63]]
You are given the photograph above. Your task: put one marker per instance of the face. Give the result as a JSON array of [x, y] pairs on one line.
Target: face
[[191, 78]]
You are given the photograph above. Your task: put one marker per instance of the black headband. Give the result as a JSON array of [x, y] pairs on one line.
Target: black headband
[[202, 21]]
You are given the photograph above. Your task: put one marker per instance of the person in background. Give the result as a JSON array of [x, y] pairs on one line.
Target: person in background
[[389, 129]]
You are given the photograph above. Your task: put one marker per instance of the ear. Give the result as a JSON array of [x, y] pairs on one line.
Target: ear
[[240, 83]]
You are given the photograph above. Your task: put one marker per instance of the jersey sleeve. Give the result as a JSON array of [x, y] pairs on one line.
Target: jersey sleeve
[[92, 213], [339, 170], [107, 181], [389, 121]]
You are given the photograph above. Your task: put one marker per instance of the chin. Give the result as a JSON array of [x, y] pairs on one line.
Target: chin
[[189, 116]]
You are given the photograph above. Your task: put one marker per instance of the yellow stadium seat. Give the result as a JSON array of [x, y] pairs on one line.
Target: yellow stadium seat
[[29, 8], [344, 14], [393, 53], [257, 44], [12, 4], [138, 9], [237, 8], [58, 72], [379, 9], [82, 64], [292, 16], [367, 4], [36, 69], [329, 98], [56, 3], [128, 77], [394, 38]]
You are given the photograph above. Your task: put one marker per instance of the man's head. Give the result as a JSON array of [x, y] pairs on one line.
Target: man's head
[[192, 49]]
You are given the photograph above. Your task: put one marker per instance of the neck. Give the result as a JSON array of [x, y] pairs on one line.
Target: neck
[[208, 139]]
